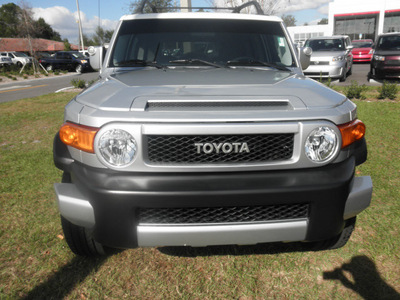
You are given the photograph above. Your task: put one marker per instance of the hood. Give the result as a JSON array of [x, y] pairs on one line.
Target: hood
[[123, 91], [387, 52], [363, 50]]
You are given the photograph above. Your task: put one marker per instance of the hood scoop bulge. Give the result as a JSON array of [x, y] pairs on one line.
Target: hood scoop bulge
[[194, 105]]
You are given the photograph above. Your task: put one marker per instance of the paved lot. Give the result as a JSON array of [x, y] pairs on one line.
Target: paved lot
[[36, 87], [32, 88]]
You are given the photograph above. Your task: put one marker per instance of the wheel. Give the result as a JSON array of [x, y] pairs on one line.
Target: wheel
[[337, 241], [78, 69], [80, 239], [344, 76], [19, 64], [49, 68]]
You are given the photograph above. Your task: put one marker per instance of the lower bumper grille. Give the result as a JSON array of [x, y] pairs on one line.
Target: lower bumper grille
[[215, 215], [317, 73]]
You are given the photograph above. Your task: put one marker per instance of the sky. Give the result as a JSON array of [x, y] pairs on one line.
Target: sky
[[62, 14]]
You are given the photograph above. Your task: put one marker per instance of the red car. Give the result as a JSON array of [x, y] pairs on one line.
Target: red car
[[362, 51]]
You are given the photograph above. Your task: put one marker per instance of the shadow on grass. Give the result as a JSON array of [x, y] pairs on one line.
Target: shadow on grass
[[60, 284], [366, 280], [267, 248]]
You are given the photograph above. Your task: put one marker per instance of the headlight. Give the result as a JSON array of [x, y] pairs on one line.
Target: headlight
[[379, 58], [117, 147], [321, 144], [84, 61], [338, 58]]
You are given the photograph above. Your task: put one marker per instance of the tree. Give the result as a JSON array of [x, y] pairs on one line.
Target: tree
[[67, 45], [270, 7], [167, 4], [17, 21], [323, 21], [44, 31], [102, 36], [10, 15], [289, 20]]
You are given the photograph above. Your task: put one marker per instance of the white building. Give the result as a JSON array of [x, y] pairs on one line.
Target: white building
[[360, 19]]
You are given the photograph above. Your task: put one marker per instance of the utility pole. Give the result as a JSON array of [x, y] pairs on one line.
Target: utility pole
[[80, 25]]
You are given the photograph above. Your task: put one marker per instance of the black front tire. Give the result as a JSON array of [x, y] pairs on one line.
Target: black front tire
[[80, 240], [344, 76], [78, 69], [350, 71], [337, 241]]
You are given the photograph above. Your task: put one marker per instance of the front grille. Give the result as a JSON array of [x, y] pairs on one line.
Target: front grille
[[319, 63], [215, 215], [392, 62], [317, 73], [219, 149]]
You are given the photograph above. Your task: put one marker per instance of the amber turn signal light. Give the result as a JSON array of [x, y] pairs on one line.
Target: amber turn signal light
[[78, 136], [351, 132]]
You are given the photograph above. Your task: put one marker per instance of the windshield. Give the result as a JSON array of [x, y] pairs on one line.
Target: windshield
[[325, 45], [391, 42], [358, 44], [205, 43], [78, 55], [20, 54]]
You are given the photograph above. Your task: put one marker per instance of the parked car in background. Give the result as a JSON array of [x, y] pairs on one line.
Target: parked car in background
[[66, 60], [385, 62], [5, 62], [18, 58], [362, 51], [331, 57]]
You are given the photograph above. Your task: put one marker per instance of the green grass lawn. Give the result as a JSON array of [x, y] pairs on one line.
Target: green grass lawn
[[35, 261]]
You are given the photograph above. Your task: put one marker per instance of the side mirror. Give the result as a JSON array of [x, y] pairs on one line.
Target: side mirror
[[305, 56], [97, 55]]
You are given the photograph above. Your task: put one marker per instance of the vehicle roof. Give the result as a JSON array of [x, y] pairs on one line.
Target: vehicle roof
[[201, 15], [389, 33], [365, 40]]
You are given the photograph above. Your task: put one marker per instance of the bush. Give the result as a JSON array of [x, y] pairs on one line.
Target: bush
[[388, 90], [78, 83], [354, 91]]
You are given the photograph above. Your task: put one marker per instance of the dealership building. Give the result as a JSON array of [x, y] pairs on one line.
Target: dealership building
[[359, 19]]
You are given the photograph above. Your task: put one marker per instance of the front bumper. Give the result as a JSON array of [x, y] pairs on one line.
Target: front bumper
[[325, 71], [362, 57], [381, 71], [109, 202]]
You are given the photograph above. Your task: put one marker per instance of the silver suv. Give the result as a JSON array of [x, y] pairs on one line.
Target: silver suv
[[331, 57], [202, 130]]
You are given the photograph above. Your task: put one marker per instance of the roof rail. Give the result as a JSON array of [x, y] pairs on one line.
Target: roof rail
[[236, 9]]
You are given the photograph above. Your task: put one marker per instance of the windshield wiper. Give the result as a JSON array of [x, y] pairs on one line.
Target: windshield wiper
[[195, 60], [255, 62], [141, 62]]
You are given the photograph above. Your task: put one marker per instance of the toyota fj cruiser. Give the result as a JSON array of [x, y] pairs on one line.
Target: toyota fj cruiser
[[202, 130]]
